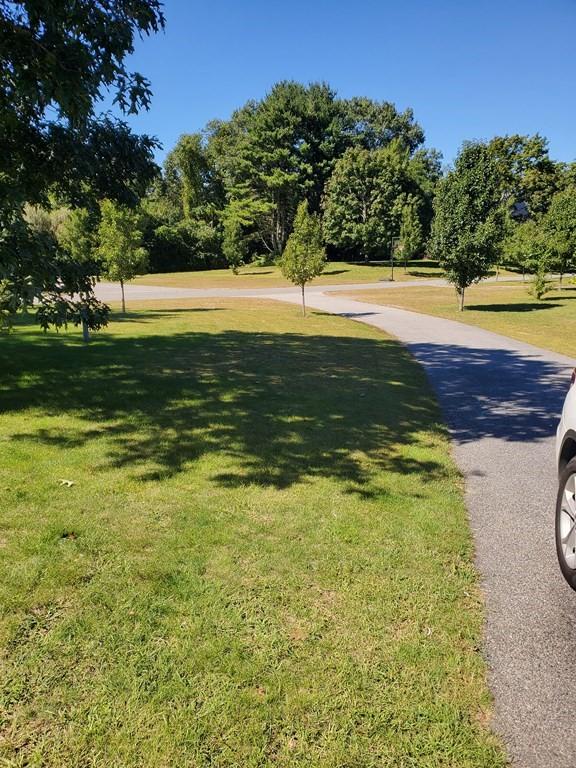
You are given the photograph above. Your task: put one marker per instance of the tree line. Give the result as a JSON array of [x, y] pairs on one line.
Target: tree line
[[81, 196], [505, 202], [229, 194]]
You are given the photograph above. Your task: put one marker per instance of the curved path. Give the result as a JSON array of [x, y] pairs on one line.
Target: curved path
[[501, 399]]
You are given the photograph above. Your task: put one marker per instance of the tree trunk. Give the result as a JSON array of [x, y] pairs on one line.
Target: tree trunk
[[303, 302], [461, 297], [85, 332], [123, 299]]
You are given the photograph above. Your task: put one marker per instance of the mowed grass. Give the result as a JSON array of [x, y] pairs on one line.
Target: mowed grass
[[504, 308], [270, 277], [263, 560]]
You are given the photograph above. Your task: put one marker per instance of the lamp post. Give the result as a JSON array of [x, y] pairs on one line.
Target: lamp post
[[394, 245]]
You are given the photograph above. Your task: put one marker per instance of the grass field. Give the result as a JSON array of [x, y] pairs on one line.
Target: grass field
[[500, 307], [271, 277], [263, 559]]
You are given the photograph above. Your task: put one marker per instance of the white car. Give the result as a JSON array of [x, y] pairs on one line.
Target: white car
[[566, 500]]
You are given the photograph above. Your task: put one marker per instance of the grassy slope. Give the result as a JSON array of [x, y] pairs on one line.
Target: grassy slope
[[504, 308], [271, 277], [264, 558]]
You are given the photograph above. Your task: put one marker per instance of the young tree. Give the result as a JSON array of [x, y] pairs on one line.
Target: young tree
[[304, 257], [120, 244], [363, 200], [527, 248], [468, 225], [560, 225]]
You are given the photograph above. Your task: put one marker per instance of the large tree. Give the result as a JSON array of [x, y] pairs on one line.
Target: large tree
[[363, 202], [284, 149], [190, 177], [468, 224], [57, 60], [525, 171]]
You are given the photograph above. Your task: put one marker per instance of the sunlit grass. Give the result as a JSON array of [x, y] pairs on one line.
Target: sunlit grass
[[263, 559], [268, 277], [505, 308]]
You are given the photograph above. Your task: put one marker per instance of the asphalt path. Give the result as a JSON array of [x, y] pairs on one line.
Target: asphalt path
[[501, 399], [138, 292]]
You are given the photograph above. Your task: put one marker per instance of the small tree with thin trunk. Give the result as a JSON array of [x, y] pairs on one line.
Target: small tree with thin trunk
[[528, 248], [304, 257], [120, 244], [468, 223], [559, 225]]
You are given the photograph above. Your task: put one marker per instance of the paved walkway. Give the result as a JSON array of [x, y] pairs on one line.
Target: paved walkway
[[501, 399], [111, 291]]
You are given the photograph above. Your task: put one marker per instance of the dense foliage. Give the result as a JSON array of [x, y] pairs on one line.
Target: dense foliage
[[468, 220], [56, 62], [304, 257], [242, 179], [229, 195]]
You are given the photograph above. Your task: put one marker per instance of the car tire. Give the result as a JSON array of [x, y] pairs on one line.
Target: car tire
[[566, 523]]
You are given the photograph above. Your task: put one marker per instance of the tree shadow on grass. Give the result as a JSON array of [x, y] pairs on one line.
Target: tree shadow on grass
[[277, 408], [147, 316], [520, 307], [426, 273]]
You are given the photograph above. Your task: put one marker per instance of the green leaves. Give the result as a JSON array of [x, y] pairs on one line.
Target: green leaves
[[559, 224], [56, 61], [120, 242], [468, 224], [284, 149], [362, 203], [304, 257]]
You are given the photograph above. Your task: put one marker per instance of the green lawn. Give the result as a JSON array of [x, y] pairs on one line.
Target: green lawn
[[501, 307], [263, 560], [271, 277]]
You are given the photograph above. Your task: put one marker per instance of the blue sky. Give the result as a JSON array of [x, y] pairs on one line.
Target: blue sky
[[469, 70]]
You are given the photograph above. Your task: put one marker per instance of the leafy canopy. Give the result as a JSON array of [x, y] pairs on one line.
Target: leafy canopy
[[304, 257], [362, 206], [559, 224], [468, 224], [120, 242], [284, 148], [56, 61]]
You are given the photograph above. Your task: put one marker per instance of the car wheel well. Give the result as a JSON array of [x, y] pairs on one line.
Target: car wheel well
[[568, 452]]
